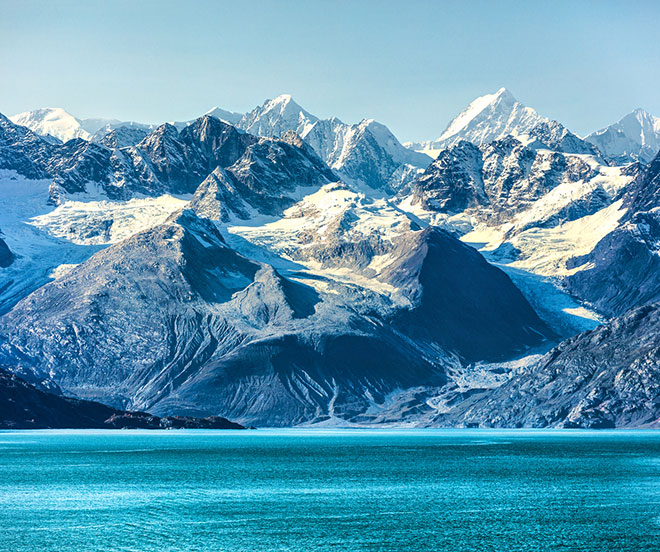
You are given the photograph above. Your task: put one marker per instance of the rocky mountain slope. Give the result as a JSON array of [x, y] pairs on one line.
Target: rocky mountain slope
[[608, 377], [623, 269], [500, 179], [165, 161], [23, 406], [233, 337], [549, 208]]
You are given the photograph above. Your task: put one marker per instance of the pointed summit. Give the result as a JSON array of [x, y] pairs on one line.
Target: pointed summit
[[487, 118], [276, 116], [282, 99], [635, 137]]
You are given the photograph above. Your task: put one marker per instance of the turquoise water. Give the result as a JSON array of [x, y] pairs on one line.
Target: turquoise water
[[330, 490]]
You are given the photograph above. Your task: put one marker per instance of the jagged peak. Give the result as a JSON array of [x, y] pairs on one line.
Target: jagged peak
[[475, 108], [208, 120], [284, 103], [504, 93], [165, 129], [282, 99]]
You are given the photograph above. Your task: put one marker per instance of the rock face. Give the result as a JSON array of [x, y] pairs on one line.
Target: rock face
[[556, 137], [165, 161], [6, 256], [23, 406], [24, 151], [608, 377], [636, 137], [460, 302], [121, 137], [498, 180], [264, 180], [174, 321], [623, 270]]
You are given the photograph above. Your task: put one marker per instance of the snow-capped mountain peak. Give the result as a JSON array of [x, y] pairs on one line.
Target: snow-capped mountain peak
[[477, 107], [635, 137], [489, 117], [229, 116], [366, 153], [59, 123], [276, 116], [53, 121]]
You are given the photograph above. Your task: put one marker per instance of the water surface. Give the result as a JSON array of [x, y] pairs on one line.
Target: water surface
[[298, 490]]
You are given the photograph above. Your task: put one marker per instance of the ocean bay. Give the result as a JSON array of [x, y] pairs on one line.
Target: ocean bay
[[330, 489]]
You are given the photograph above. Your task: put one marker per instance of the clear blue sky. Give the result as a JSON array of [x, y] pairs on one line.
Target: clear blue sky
[[410, 64]]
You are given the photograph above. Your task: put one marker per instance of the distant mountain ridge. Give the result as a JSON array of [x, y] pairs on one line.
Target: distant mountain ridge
[[366, 153]]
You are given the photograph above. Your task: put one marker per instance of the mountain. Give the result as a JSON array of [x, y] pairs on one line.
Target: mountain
[[366, 154], [277, 116], [500, 179], [488, 118], [266, 179], [54, 198], [175, 321], [165, 161], [623, 269], [23, 406], [315, 275], [537, 205], [605, 378], [224, 115], [58, 123], [121, 137], [636, 137], [554, 136]]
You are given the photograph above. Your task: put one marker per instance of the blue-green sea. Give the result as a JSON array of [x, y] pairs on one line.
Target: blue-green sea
[[339, 490]]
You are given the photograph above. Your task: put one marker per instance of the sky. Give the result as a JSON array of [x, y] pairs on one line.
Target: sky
[[411, 64]]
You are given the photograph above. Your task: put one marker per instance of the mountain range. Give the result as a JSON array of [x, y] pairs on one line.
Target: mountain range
[[278, 269]]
